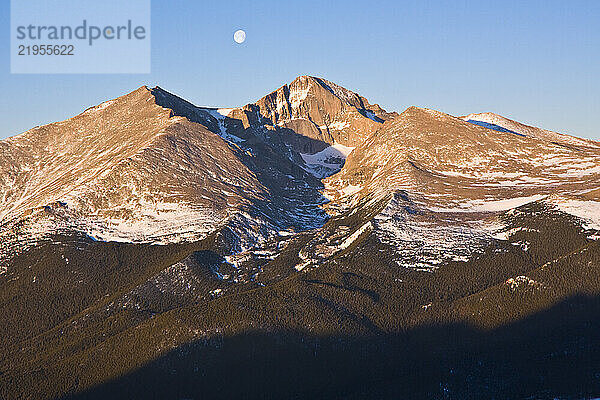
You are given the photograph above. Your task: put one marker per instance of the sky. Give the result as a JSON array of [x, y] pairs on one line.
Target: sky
[[534, 61]]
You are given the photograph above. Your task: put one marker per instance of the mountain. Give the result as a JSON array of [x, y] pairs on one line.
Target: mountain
[[310, 244], [502, 124], [103, 172]]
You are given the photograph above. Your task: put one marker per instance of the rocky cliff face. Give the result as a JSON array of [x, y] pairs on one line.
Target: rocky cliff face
[[309, 114], [321, 110]]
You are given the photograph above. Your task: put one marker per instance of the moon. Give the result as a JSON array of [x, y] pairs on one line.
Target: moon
[[239, 36]]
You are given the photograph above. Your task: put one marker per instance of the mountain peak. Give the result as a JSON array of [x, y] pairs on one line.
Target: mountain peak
[[305, 85], [423, 110], [319, 109], [499, 123]]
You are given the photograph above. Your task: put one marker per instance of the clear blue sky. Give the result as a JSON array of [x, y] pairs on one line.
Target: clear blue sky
[[537, 61]]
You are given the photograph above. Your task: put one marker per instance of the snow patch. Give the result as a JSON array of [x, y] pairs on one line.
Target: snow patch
[[220, 115], [298, 95], [351, 189], [482, 205], [588, 211], [328, 161], [225, 111], [338, 126], [352, 238], [424, 240], [521, 281], [100, 106], [371, 115]]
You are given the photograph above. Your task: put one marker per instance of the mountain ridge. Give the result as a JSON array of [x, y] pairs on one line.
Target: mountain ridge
[[496, 121], [267, 122]]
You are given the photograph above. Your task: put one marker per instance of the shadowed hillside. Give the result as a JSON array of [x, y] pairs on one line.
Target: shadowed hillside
[[525, 359], [503, 325]]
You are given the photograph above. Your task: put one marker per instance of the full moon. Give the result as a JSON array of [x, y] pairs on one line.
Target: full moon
[[239, 36]]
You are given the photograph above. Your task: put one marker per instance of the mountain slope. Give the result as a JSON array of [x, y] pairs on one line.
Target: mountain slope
[[498, 122], [448, 180], [46, 162], [151, 168], [435, 154]]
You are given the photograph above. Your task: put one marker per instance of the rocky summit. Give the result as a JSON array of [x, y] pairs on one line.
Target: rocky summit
[[308, 245]]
